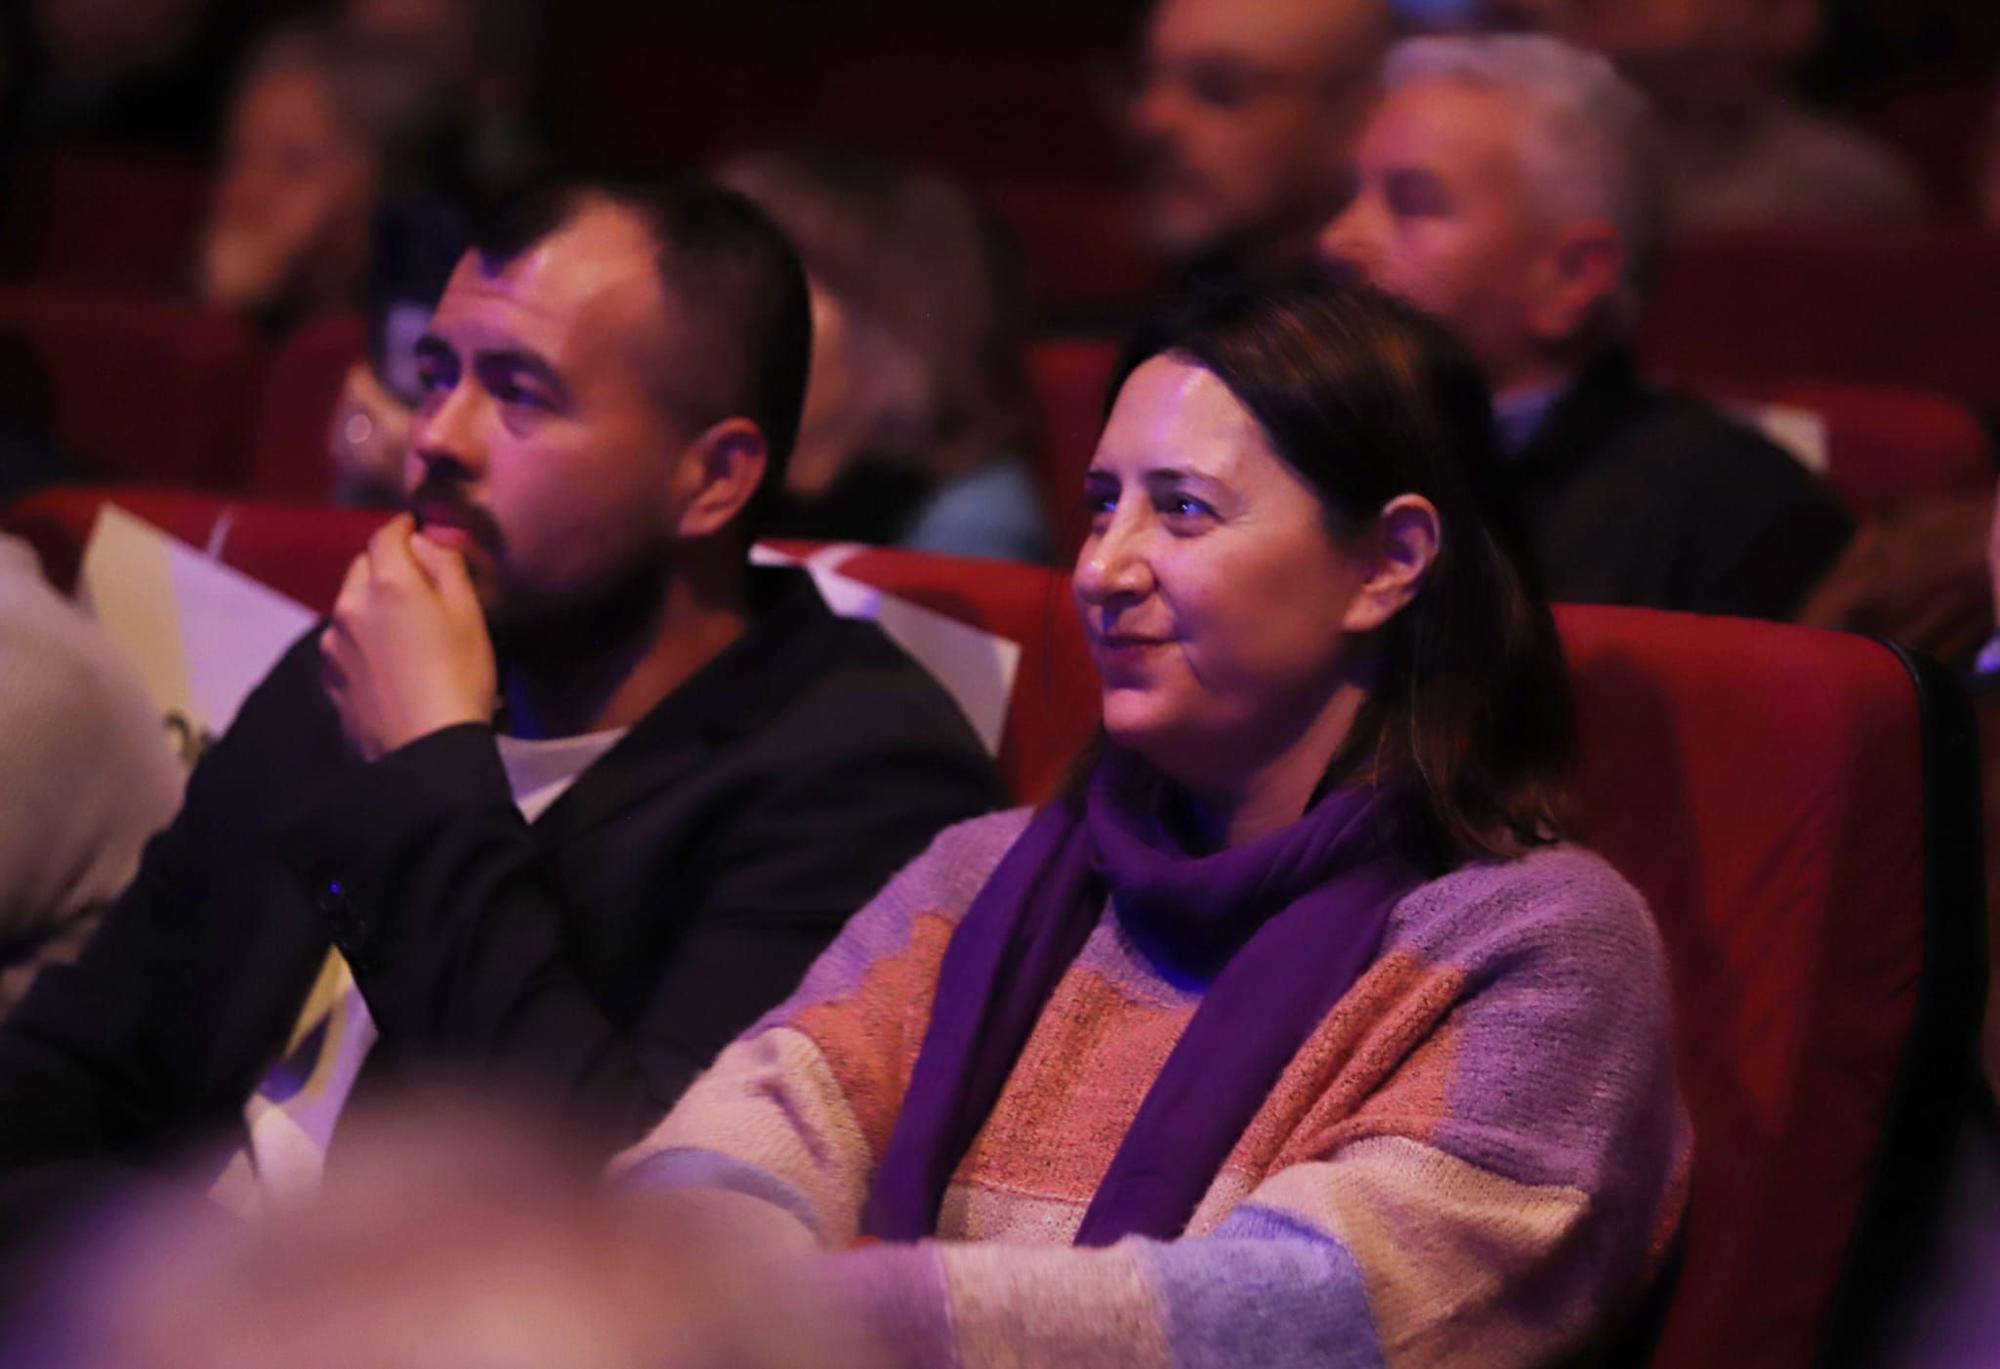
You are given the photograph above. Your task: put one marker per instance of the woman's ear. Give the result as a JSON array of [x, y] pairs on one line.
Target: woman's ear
[[718, 476], [1400, 547]]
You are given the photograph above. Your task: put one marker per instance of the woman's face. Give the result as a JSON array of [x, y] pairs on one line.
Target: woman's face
[[1211, 590]]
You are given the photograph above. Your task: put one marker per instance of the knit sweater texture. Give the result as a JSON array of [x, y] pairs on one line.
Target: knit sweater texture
[[1478, 1157]]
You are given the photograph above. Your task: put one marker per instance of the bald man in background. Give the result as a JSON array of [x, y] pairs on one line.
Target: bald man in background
[[1242, 122]]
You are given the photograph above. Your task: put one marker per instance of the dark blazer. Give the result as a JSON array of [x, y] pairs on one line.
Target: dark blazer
[[1634, 495], [598, 959]]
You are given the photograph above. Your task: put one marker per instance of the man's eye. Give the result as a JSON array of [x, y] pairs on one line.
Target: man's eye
[[1411, 197], [433, 378], [1221, 89], [509, 391], [1184, 507]]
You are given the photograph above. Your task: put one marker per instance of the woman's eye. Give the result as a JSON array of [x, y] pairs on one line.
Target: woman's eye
[[1184, 507]]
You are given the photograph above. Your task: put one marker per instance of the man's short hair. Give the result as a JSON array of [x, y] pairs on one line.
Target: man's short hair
[[1592, 148], [727, 274]]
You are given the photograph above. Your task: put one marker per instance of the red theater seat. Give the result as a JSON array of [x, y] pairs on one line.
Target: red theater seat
[[105, 216], [141, 388], [297, 549], [1889, 446], [1891, 306], [1053, 711], [1081, 247], [301, 381], [1799, 807], [1070, 380]]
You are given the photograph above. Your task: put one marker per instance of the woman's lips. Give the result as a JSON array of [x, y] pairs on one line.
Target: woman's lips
[[1126, 647]]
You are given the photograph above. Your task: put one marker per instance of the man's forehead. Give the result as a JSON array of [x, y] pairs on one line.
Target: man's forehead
[[1464, 123], [1281, 31], [600, 264]]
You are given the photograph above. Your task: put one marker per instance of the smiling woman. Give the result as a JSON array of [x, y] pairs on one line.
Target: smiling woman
[[1294, 1033]]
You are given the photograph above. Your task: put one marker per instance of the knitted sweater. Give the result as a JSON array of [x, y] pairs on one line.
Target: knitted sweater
[[1478, 1157]]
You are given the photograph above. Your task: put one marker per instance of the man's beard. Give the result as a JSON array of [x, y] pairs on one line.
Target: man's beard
[[550, 636]]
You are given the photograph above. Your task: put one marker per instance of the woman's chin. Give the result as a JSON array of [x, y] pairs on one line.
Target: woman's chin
[[1157, 740]]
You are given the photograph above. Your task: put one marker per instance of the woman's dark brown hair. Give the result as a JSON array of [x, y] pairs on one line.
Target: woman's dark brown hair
[[1367, 399]]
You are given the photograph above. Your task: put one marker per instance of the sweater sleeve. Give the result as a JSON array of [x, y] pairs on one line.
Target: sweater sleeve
[[796, 1110], [1498, 1196]]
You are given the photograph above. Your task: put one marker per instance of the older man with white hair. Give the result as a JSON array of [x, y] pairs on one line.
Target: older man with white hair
[[1509, 184]]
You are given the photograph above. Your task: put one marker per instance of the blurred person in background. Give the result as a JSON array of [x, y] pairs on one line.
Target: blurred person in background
[[1986, 170], [1739, 147], [917, 419], [86, 774], [485, 53], [416, 244], [566, 793], [1506, 184], [142, 72], [451, 1236], [1241, 124], [322, 129]]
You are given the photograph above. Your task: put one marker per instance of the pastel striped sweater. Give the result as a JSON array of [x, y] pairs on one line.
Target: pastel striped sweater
[[1478, 1157]]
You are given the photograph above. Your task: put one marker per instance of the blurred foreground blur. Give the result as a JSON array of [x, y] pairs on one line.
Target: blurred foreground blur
[[450, 1238]]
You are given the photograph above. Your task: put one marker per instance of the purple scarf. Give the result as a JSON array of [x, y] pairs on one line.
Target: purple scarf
[[1281, 927]]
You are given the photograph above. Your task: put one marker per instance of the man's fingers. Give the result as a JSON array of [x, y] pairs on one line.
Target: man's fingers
[[389, 558], [353, 583], [447, 573]]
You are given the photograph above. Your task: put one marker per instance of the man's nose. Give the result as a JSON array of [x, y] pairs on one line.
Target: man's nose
[[1153, 109], [1353, 237], [447, 437]]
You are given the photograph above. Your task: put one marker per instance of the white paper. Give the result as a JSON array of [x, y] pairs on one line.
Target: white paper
[[976, 667], [201, 633]]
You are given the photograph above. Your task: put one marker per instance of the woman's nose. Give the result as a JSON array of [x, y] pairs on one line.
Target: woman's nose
[[1113, 562]]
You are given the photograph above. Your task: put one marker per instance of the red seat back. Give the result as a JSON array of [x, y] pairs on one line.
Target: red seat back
[[106, 217], [141, 388], [301, 382], [1766, 787], [1053, 711], [1070, 381], [1080, 244], [1893, 306], [1889, 446], [299, 550]]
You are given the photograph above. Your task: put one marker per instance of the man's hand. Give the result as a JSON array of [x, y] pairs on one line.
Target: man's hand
[[407, 652]]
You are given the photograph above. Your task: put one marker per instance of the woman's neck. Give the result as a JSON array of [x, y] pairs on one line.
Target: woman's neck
[[1274, 793]]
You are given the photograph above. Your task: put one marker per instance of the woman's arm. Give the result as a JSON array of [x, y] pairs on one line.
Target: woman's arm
[[796, 1111], [1501, 1195]]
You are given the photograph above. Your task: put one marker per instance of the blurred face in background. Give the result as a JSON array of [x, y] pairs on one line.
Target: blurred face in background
[[1443, 217], [1701, 61], [1242, 118], [289, 228]]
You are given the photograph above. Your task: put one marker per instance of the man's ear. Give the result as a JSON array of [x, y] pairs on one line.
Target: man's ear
[[1401, 546], [1579, 273], [718, 475]]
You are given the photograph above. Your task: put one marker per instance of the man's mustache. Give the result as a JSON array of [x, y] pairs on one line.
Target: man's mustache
[[441, 503]]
